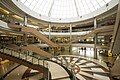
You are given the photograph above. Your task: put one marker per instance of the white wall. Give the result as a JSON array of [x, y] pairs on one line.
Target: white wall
[[3, 24], [66, 33]]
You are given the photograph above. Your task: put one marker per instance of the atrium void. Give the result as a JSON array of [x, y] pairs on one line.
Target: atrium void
[[59, 39]]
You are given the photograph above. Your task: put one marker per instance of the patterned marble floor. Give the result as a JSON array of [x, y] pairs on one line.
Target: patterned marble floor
[[81, 67], [84, 68]]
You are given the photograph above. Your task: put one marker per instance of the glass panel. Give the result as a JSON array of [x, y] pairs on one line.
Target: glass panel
[[23, 1], [64, 8]]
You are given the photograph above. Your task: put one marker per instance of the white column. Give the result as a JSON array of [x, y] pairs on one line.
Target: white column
[[25, 35], [25, 20], [49, 31], [70, 32], [49, 26], [70, 47], [95, 40]]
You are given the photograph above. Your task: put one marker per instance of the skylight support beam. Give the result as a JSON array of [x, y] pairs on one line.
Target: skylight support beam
[[98, 3], [83, 6], [36, 4], [88, 6], [92, 5], [25, 1], [104, 1], [49, 13], [76, 8], [31, 2]]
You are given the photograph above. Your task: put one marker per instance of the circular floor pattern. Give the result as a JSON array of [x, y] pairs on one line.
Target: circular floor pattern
[[83, 68]]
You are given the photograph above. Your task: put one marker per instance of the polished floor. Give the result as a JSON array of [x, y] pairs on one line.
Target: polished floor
[[83, 68]]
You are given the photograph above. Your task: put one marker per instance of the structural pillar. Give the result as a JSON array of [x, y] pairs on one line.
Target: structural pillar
[[25, 39], [25, 35], [70, 32], [95, 40], [49, 26], [49, 31], [70, 46], [25, 20]]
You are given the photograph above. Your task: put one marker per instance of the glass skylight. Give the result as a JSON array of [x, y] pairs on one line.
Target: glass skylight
[[64, 8]]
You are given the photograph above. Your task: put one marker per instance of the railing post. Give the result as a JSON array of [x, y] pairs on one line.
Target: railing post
[[19, 54], [74, 77], [43, 70], [43, 62], [48, 72], [32, 59], [26, 55], [38, 61], [61, 61], [11, 52], [48, 75], [3, 49]]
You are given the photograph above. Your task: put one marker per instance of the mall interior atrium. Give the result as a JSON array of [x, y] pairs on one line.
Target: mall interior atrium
[[59, 39]]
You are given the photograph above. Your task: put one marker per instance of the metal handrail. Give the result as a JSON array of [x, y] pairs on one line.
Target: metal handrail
[[25, 55]]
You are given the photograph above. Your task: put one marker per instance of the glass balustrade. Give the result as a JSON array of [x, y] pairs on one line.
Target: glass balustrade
[[24, 55], [30, 57]]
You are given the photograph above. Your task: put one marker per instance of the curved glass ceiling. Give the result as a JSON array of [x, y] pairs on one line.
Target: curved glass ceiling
[[64, 8]]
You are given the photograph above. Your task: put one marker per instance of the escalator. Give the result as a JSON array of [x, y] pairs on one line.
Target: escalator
[[115, 43], [25, 59], [115, 47], [95, 31], [39, 36], [46, 66], [32, 48], [37, 50]]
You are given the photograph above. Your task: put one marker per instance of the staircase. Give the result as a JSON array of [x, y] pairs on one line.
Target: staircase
[[36, 62]]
